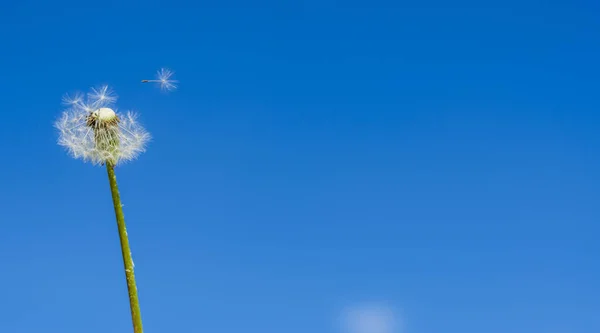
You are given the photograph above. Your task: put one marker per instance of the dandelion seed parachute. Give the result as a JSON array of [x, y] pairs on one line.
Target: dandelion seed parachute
[[163, 77], [91, 130]]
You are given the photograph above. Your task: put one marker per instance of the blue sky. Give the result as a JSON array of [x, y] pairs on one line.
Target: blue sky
[[434, 159]]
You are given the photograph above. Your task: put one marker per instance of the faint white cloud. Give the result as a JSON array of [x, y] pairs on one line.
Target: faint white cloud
[[370, 318]]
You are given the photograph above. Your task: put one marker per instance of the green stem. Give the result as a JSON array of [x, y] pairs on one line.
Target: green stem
[[134, 303]]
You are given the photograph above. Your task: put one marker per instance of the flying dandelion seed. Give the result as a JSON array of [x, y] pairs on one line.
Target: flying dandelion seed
[[163, 77], [91, 130]]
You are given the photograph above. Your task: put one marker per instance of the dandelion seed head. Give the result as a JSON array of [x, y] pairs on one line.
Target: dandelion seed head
[[92, 131]]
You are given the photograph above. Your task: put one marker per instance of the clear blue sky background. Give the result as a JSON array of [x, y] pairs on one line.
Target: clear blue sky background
[[439, 156]]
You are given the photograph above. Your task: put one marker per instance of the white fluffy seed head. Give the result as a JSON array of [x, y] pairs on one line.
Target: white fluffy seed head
[[92, 131]]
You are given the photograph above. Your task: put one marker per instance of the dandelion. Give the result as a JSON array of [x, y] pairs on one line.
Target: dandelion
[[91, 130], [163, 76]]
